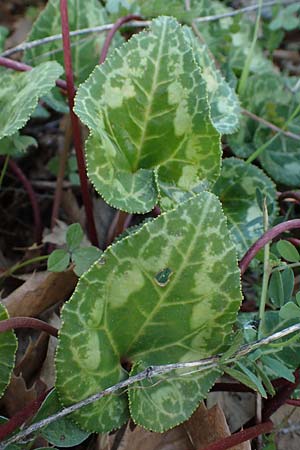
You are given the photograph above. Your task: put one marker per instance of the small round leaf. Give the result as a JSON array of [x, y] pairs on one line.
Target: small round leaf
[[58, 261], [74, 236], [288, 251], [83, 258]]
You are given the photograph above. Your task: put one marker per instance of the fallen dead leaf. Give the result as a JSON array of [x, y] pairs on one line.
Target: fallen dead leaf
[[47, 374], [39, 292], [238, 407], [139, 438], [206, 426], [57, 235], [71, 208], [17, 395], [33, 358]]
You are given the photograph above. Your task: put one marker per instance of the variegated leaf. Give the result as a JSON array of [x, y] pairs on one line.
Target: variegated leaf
[[151, 134], [169, 292], [237, 189], [85, 49], [8, 347], [19, 94], [281, 158], [224, 103], [259, 99]]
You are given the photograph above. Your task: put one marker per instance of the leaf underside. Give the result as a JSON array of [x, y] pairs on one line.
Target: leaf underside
[[168, 293], [8, 347], [19, 94], [152, 139]]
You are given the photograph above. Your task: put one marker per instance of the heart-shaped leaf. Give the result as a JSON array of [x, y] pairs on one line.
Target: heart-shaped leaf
[[152, 139], [236, 188], [19, 94], [8, 347], [169, 292]]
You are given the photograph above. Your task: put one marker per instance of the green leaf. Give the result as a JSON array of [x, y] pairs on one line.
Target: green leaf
[[151, 139], [276, 293], [62, 432], [16, 144], [119, 8], [8, 347], [286, 19], [74, 236], [288, 281], [58, 261], [286, 349], [278, 368], [287, 251], [19, 94], [83, 258], [225, 107], [298, 298], [290, 311], [85, 49], [236, 188], [251, 375], [237, 341], [247, 377], [129, 310], [258, 97], [281, 158], [4, 32], [281, 286], [265, 379], [240, 376], [176, 8]]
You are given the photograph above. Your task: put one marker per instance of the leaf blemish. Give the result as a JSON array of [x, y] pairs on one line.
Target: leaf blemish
[[162, 278]]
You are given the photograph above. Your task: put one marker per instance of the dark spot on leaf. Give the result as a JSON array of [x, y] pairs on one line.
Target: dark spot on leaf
[[62, 437], [126, 363], [162, 278]]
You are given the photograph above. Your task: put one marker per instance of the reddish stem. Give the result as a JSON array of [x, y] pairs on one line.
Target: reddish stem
[[76, 125], [271, 405], [21, 67], [241, 436], [120, 222], [156, 211], [32, 197], [293, 402], [112, 32], [22, 416], [294, 241], [63, 160], [264, 239], [27, 322]]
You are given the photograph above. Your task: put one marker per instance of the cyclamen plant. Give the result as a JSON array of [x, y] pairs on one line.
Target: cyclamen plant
[[170, 290]]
